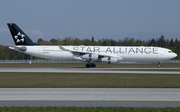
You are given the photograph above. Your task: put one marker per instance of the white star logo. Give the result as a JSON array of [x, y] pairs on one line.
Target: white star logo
[[19, 37]]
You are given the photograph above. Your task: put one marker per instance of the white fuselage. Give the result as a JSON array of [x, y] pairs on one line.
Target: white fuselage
[[122, 53]]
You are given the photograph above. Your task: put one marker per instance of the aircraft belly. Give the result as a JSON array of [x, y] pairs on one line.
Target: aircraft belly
[[62, 56]]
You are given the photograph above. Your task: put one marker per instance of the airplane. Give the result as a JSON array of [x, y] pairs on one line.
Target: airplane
[[89, 54]]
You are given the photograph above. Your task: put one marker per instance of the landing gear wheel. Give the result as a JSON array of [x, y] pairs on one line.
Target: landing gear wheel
[[159, 66], [87, 66], [93, 65]]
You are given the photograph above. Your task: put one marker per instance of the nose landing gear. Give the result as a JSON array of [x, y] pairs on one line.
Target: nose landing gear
[[159, 65]]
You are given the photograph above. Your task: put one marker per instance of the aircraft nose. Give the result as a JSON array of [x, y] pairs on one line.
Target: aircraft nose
[[175, 55]]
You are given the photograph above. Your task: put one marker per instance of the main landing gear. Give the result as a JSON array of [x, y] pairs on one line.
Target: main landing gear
[[92, 65], [159, 65]]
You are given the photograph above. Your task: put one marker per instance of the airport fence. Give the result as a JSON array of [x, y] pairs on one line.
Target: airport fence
[[56, 61]]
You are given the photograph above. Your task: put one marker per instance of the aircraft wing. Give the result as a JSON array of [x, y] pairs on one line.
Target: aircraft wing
[[80, 53]]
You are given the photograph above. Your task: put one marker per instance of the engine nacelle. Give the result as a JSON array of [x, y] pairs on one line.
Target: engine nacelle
[[90, 57], [109, 60]]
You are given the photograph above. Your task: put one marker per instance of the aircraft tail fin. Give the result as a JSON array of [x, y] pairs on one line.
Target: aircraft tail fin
[[19, 37]]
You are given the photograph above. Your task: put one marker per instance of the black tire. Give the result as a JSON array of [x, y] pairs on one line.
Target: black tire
[[93, 65], [87, 66], [159, 66]]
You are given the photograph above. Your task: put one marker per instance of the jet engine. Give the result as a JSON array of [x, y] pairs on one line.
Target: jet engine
[[90, 57], [109, 60]]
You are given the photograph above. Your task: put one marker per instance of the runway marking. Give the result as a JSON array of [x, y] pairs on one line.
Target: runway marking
[[92, 91], [93, 70], [78, 100]]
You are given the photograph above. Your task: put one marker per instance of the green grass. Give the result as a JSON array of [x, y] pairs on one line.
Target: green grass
[[80, 65], [87, 80], [86, 109]]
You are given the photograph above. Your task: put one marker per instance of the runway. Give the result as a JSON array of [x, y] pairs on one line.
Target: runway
[[90, 97], [94, 70]]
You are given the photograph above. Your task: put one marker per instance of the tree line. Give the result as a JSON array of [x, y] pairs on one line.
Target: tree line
[[172, 44]]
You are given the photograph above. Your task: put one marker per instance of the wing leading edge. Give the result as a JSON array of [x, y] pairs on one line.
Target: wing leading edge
[[82, 53]]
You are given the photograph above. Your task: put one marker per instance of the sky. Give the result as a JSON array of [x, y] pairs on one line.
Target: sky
[[108, 19]]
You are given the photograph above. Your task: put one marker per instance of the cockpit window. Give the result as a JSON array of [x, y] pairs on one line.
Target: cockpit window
[[170, 52]]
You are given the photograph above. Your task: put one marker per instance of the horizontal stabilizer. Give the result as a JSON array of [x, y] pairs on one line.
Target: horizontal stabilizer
[[18, 48]]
